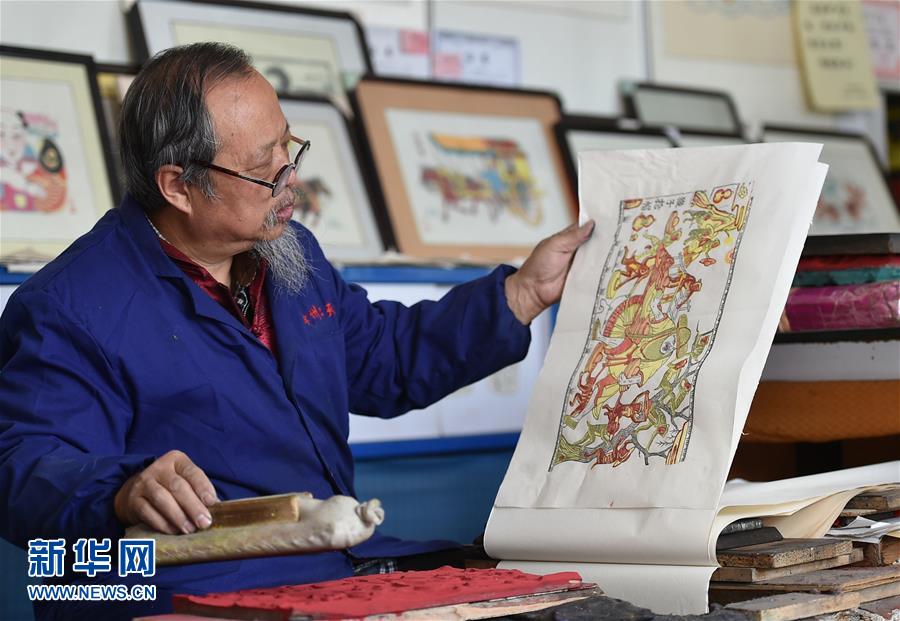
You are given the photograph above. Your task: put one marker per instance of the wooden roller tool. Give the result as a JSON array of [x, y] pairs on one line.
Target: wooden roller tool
[[269, 526]]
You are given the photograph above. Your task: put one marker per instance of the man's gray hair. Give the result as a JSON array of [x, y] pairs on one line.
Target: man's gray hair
[[164, 118]]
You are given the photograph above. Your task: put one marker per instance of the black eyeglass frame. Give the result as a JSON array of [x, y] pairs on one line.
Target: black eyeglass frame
[[284, 173]]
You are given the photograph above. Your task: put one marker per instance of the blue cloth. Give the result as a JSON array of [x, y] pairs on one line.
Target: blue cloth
[[111, 357]]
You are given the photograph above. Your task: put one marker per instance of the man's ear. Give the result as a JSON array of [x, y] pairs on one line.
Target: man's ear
[[173, 189]]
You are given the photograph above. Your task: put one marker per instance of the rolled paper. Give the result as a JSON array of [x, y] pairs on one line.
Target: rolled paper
[[333, 524]]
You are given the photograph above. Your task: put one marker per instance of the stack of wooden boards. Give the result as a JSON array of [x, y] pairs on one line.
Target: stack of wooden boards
[[767, 577], [875, 506]]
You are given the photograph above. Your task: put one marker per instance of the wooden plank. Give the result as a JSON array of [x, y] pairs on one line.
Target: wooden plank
[[885, 552], [791, 606], [731, 592], [755, 574], [884, 500], [881, 591], [784, 553], [741, 539], [260, 510], [828, 580]]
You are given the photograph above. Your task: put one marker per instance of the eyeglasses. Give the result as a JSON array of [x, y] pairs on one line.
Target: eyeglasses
[[281, 177]]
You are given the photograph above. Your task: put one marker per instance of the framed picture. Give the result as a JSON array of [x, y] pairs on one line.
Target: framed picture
[[593, 133], [466, 173], [300, 51], [332, 195], [706, 139], [688, 109], [855, 197], [112, 83], [56, 171]]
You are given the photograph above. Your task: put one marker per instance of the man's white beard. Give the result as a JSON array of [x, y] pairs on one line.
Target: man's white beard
[[288, 266]]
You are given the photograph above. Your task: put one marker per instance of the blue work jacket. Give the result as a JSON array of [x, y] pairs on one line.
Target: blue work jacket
[[112, 357]]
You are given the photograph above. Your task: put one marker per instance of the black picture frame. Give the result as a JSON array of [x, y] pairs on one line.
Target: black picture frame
[[870, 167], [632, 94], [111, 102], [612, 126], [101, 178], [150, 38], [696, 138]]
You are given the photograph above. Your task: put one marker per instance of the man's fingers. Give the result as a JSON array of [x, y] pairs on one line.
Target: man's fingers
[[164, 502], [171, 495], [570, 238], [184, 494], [144, 512], [197, 479]]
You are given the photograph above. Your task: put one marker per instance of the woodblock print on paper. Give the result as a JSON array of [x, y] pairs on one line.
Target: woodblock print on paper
[[474, 173], [654, 321], [32, 170]]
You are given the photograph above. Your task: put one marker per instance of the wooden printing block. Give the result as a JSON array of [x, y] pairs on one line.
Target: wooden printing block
[[754, 574], [784, 553]]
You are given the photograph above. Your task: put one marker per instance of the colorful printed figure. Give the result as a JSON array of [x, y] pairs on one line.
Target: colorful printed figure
[[501, 180], [32, 172], [841, 202], [653, 325], [308, 195]]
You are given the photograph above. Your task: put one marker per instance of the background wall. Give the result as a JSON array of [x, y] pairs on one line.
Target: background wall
[[580, 49]]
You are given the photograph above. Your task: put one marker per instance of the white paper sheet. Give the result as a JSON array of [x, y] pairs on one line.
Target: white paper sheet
[[661, 337], [667, 312]]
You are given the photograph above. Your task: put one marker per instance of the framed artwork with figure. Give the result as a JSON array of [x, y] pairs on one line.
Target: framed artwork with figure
[[466, 173], [856, 197], [300, 51], [56, 170], [332, 195]]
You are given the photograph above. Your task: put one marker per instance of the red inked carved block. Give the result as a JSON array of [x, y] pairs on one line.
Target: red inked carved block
[[368, 595]]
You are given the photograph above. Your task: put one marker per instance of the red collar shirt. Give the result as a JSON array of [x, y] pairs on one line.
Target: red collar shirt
[[258, 318]]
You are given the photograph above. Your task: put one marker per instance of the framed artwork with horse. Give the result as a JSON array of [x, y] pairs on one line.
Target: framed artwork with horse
[[332, 196]]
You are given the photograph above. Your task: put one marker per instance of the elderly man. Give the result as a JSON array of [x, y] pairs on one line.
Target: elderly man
[[196, 344]]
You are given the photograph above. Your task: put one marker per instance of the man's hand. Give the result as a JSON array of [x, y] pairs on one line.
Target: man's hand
[[171, 495], [539, 282]]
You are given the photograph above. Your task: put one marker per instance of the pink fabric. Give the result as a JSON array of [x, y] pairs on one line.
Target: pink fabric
[[847, 307]]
